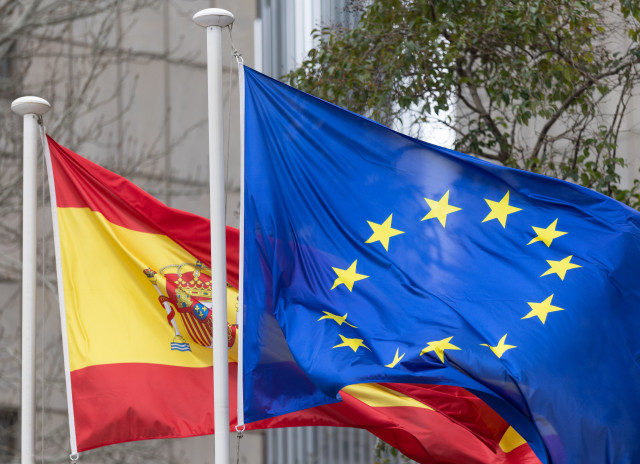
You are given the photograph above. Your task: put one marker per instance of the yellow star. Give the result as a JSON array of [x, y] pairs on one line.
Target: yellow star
[[440, 209], [353, 343], [383, 232], [500, 210], [347, 276], [501, 348], [439, 346], [339, 319], [546, 235], [560, 267], [396, 359], [542, 309]]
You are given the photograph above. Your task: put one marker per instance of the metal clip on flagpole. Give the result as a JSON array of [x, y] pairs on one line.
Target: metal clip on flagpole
[[214, 19], [31, 108]]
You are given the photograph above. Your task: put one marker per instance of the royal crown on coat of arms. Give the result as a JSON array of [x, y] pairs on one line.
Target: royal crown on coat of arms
[[188, 294]]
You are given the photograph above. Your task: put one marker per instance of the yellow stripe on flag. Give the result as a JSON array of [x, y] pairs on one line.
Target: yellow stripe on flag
[[511, 440], [113, 312], [376, 395]]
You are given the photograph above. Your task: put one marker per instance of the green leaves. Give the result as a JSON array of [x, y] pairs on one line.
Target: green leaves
[[532, 82]]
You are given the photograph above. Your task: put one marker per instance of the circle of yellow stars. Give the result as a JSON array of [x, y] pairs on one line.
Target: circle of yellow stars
[[440, 209]]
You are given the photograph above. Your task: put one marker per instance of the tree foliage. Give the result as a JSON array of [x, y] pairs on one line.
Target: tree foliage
[[540, 85]]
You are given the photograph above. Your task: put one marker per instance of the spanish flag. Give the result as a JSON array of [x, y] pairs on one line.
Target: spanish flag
[[136, 290], [135, 298]]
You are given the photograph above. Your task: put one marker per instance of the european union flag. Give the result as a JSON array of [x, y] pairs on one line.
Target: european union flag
[[371, 256]]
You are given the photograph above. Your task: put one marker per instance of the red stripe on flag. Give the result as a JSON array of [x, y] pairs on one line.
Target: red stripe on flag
[[115, 403]]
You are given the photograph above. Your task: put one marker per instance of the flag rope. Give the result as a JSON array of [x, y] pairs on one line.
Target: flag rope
[[240, 315]]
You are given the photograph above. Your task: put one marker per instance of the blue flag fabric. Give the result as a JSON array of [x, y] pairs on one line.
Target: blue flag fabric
[[371, 256]]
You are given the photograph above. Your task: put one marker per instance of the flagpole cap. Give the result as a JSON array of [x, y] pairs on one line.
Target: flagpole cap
[[30, 105], [213, 17]]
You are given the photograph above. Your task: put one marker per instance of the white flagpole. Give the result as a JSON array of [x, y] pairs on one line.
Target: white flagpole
[[31, 108], [214, 19]]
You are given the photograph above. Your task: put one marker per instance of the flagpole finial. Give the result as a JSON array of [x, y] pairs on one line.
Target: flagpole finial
[[30, 105], [213, 17]]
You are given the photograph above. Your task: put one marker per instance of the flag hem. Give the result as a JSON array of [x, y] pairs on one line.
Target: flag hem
[[61, 301]]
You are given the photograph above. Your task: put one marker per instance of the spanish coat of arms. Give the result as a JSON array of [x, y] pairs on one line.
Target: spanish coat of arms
[[188, 296]]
